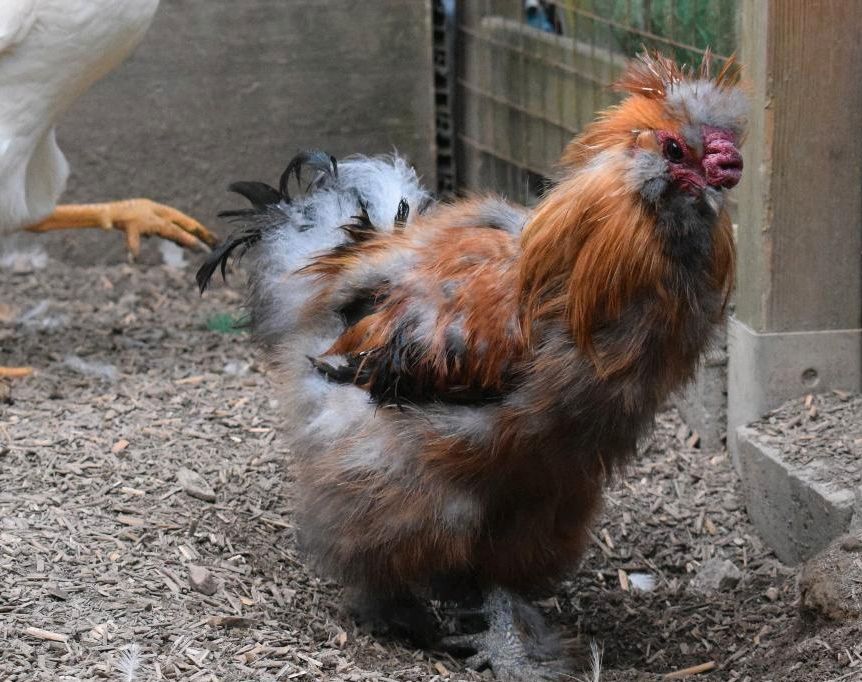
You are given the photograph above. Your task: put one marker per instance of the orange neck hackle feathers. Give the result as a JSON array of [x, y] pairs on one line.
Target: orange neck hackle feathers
[[592, 245]]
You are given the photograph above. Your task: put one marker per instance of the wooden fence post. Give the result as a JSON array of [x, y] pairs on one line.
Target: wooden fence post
[[799, 288]]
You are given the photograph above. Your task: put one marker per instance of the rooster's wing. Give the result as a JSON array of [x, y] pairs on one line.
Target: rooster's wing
[[441, 323]]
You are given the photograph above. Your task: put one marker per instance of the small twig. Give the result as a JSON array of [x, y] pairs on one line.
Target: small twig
[[693, 670], [601, 545], [845, 676], [38, 633]]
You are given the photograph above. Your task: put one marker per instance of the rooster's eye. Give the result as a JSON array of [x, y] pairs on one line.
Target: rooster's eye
[[673, 150]]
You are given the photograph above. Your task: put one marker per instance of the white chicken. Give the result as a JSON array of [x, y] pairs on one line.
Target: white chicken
[[51, 52]]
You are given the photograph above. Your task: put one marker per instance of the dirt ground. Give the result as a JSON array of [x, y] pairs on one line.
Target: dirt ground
[[137, 378]]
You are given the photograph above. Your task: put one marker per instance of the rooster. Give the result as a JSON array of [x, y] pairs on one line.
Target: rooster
[[462, 379], [51, 52]]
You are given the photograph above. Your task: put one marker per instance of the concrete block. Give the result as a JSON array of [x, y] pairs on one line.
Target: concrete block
[[798, 505], [702, 404], [222, 90], [766, 369]]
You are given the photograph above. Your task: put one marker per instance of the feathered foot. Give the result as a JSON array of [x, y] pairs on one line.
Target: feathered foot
[[517, 644], [401, 616], [134, 217]]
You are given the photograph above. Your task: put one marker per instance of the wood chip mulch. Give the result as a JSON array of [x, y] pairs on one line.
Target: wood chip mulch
[[821, 434], [145, 509]]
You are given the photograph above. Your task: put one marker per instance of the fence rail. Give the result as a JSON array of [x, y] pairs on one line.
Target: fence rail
[[532, 74]]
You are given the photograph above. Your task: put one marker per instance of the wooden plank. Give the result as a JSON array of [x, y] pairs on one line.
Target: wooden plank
[[800, 236], [799, 280]]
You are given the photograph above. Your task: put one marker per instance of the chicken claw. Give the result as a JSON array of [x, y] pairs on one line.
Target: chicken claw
[[516, 645], [134, 217]]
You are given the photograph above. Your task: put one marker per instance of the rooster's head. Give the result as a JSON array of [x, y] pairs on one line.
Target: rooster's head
[[680, 126]]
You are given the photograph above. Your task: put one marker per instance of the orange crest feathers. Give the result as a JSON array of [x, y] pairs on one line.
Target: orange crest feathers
[[653, 75], [664, 96]]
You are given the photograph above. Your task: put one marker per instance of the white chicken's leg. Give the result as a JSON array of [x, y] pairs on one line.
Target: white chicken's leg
[[134, 217]]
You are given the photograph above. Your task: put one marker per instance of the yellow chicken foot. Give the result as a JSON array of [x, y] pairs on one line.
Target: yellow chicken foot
[[134, 217]]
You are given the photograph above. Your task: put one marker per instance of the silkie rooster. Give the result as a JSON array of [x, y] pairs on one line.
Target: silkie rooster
[[462, 379]]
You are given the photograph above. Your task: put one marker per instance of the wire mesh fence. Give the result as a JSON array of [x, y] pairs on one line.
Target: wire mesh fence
[[532, 73]]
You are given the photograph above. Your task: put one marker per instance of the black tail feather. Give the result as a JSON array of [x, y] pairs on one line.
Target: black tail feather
[[242, 238], [402, 214], [315, 159], [259, 194], [262, 198]]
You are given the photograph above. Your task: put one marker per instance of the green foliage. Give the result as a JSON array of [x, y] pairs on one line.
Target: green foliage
[[225, 323], [677, 28]]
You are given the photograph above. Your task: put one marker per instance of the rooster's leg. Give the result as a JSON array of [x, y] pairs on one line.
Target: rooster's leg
[[134, 217], [517, 644], [400, 615]]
